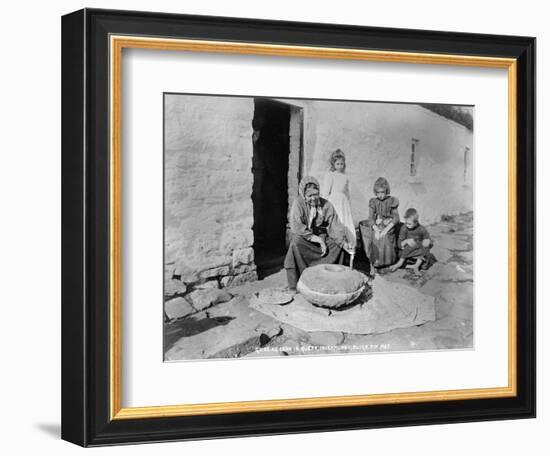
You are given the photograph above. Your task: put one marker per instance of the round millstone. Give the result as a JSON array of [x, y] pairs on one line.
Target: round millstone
[[331, 285]]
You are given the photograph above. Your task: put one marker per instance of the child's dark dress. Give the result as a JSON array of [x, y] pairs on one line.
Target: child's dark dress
[[419, 234], [383, 251]]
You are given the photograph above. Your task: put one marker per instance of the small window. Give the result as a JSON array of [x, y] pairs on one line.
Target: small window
[[414, 158]]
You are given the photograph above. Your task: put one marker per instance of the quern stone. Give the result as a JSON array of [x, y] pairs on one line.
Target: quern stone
[[331, 285]]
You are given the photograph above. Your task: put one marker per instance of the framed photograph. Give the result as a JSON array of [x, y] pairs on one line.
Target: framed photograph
[[278, 227]]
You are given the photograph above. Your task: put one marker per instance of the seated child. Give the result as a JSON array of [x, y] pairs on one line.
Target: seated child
[[379, 231], [414, 241]]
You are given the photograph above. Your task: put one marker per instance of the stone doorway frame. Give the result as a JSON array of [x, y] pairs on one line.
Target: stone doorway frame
[[295, 157]]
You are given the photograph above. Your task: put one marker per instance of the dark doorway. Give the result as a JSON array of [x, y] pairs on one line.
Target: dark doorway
[[270, 164]]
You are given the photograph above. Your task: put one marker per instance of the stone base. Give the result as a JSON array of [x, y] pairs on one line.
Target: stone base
[[228, 330], [393, 305]]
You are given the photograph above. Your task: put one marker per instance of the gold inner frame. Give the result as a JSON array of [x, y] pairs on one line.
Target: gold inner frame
[[117, 44]]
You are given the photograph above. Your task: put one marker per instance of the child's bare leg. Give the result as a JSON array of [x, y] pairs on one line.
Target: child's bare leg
[[416, 266], [397, 265]]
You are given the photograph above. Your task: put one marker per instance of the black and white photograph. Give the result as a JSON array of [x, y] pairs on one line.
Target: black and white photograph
[[316, 227]]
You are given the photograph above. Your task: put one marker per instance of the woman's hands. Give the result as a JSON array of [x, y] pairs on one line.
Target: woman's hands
[[349, 246], [319, 240]]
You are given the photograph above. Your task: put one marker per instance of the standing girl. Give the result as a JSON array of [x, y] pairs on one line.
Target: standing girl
[[335, 188]]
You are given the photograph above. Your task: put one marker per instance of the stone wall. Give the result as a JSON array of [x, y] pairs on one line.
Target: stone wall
[[208, 184]]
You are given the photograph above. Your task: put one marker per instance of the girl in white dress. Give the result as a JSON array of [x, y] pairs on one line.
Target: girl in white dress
[[336, 189]]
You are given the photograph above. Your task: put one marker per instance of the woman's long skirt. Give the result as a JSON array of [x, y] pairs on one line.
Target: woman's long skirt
[[302, 254]]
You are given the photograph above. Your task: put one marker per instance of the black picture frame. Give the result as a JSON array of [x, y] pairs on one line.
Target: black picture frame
[[85, 228]]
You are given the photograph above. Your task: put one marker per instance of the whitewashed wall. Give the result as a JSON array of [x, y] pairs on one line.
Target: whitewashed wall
[[376, 138]]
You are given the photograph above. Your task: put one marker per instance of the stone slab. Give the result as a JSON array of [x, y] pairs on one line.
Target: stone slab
[[451, 243], [228, 330], [174, 287], [177, 308], [451, 272], [441, 253], [202, 299], [208, 285], [393, 305]]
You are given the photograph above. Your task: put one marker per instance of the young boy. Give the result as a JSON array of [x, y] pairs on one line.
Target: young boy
[[414, 242]]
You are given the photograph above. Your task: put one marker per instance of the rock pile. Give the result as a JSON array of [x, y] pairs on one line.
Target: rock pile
[[191, 301]]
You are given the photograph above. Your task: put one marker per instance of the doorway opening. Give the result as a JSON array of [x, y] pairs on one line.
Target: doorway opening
[[276, 168]]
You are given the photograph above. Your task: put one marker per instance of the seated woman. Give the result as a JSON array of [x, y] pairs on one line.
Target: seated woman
[[318, 236]]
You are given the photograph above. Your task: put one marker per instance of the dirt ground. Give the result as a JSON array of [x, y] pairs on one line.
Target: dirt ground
[[233, 329]]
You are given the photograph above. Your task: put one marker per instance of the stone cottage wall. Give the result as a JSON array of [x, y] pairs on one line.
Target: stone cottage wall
[[376, 138], [208, 185]]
